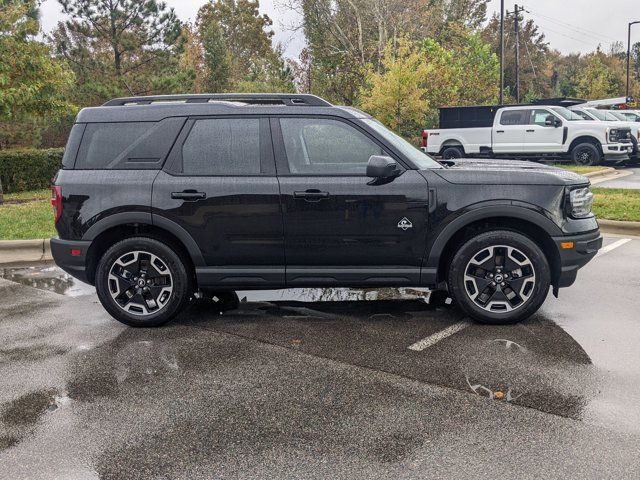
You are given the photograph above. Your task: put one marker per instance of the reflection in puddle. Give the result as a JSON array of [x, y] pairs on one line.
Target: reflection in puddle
[[51, 278], [47, 277]]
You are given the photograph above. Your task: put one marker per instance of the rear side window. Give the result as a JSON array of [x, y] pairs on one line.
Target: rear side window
[[222, 146], [515, 117], [127, 145], [71, 150]]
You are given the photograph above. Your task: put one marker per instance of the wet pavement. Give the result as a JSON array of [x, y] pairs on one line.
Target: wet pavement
[[628, 181], [313, 383]]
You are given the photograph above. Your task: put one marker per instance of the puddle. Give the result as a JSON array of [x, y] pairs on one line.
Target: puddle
[[53, 279], [47, 277]]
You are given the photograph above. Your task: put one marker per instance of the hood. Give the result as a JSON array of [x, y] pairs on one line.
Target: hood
[[506, 172]]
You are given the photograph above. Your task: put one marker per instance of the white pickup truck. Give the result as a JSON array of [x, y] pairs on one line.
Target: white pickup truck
[[526, 131]]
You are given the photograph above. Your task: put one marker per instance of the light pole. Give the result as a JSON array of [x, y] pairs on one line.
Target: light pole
[[629, 51], [501, 51]]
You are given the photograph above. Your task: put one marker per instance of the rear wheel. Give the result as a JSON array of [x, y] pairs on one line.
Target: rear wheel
[[142, 282], [499, 277], [451, 153], [586, 154]]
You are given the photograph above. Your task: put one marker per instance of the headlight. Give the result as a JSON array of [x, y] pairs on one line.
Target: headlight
[[580, 202], [613, 135]]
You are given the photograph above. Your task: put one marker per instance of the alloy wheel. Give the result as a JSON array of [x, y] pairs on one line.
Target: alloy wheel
[[499, 278], [140, 283]]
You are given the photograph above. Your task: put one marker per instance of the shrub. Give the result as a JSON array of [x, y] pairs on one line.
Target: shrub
[[28, 169]]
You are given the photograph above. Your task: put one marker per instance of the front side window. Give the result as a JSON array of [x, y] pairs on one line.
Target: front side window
[[222, 146], [539, 117], [326, 146], [515, 117]]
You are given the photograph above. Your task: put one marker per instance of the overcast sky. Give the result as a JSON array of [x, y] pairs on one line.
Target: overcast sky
[[569, 25]]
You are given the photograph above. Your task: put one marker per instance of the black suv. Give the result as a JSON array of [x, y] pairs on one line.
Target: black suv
[[163, 198]]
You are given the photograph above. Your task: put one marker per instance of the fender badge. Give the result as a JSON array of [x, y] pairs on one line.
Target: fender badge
[[405, 224]]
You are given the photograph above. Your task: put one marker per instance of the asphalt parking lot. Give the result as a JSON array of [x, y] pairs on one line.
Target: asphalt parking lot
[[322, 384]]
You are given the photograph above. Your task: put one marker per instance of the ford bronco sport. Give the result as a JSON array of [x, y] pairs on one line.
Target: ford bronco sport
[[163, 199]]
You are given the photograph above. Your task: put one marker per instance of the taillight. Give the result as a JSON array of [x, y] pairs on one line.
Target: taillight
[[56, 201], [425, 138]]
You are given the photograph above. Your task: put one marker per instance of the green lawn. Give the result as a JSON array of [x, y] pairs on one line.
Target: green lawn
[[24, 221], [34, 219], [32, 195], [617, 203], [577, 168]]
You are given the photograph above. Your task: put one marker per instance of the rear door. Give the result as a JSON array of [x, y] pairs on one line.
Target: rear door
[[508, 133], [219, 186], [539, 137]]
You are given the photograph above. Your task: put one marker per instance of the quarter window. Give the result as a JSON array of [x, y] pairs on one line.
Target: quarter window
[[220, 146], [326, 146]]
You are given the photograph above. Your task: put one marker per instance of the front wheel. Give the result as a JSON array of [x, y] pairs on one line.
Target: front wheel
[[586, 154], [499, 277], [142, 282]]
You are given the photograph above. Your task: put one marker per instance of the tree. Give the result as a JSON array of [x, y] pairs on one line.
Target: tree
[[396, 95], [534, 57], [124, 46], [597, 80], [32, 82], [238, 49]]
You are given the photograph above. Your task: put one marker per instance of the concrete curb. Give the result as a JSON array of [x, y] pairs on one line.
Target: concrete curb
[[601, 173], [19, 251], [620, 227]]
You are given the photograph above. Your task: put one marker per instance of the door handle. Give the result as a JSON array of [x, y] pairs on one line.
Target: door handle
[[311, 195], [188, 195], [499, 131], [531, 131]]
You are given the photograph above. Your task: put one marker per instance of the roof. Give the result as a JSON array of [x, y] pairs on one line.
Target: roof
[[156, 108]]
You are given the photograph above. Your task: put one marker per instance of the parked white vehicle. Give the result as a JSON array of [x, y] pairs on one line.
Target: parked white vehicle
[[630, 115], [612, 117], [531, 131]]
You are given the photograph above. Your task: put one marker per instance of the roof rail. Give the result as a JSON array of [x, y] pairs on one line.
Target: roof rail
[[248, 98]]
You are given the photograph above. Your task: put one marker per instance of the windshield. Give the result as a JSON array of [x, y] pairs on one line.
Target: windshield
[[602, 115], [566, 114], [619, 116], [418, 157]]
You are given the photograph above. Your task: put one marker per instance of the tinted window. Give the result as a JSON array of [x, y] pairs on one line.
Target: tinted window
[[325, 146], [71, 150], [104, 144], [222, 147], [515, 117]]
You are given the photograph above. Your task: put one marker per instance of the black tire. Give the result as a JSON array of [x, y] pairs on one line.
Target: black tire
[[173, 276], [468, 276], [452, 153], [586, 154]]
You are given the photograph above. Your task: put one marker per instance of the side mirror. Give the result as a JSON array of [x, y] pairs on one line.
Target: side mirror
[[380, 166], [549, 121], [557, 123]]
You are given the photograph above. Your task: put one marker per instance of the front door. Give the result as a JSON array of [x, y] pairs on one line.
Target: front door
[[342, 228], [540, 137], [219, 186]]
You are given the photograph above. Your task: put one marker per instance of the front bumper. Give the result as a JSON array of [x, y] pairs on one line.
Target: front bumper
[[617, 151], [585, 247], [70, 256]]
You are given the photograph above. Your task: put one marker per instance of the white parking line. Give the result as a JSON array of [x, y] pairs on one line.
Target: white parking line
[[431, 340], [612, 246]]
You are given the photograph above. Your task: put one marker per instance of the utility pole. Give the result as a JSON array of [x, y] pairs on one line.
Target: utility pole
[[501, 52], [629, 52], [516, 28]]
